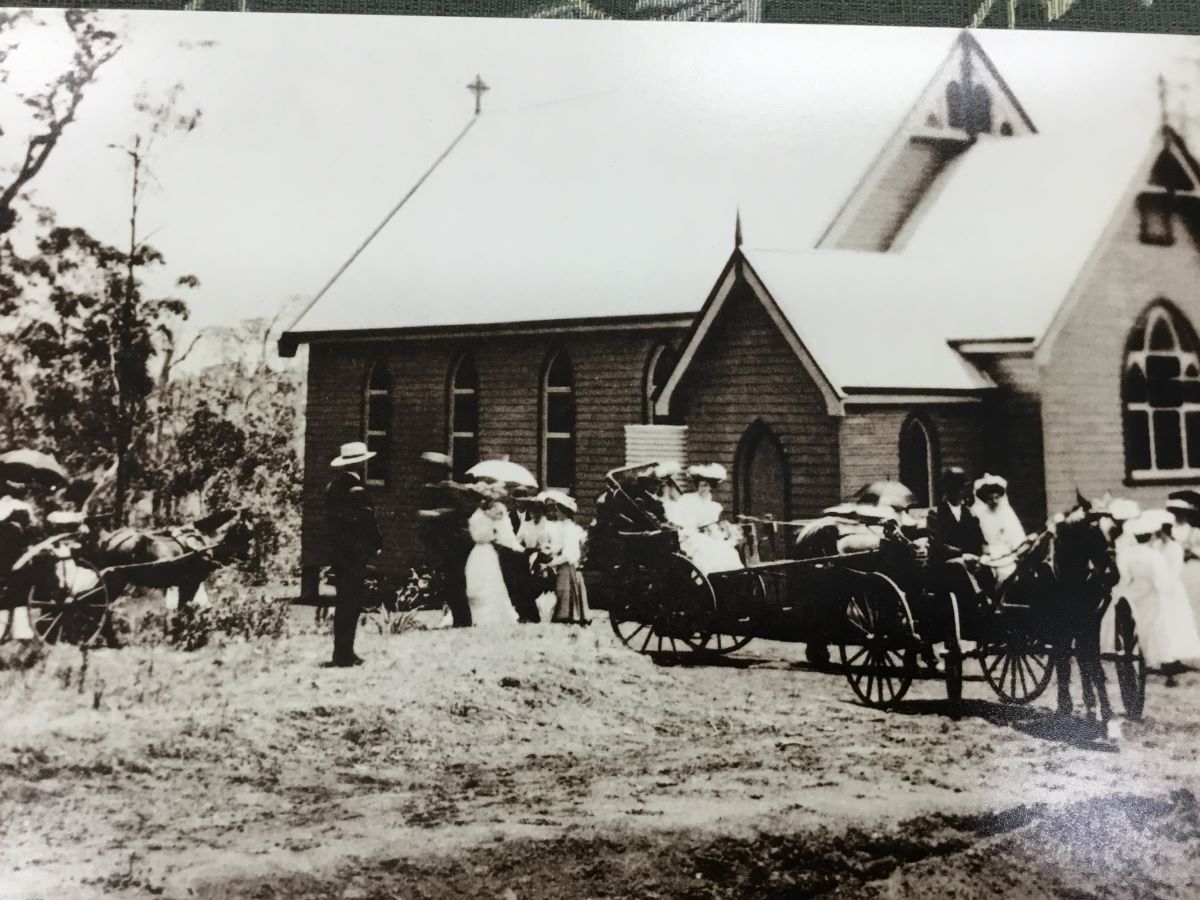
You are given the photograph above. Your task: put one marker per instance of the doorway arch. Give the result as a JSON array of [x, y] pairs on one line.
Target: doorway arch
[[762, 482], [919, 460]]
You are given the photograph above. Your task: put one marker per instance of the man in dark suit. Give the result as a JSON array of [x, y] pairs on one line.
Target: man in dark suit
[[444, 507], [354, 540], [955, 531], [955, 544]]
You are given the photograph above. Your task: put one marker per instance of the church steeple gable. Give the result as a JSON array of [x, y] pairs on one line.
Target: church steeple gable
[[966, 98]]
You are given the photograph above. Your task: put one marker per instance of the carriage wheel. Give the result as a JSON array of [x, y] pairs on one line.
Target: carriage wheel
[[721, 642], [68, 602], [667, 611], [1018, 669], [1131, 664], [880, 661]]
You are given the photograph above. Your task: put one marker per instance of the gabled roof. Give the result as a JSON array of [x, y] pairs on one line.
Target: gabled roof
[[1021, 242], [968, 70]]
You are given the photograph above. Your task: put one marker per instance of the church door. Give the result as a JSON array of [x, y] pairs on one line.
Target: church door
[[762, 484]]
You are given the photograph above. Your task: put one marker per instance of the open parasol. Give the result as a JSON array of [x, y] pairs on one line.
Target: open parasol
[[885, 493], [31, 465], [503, 471]]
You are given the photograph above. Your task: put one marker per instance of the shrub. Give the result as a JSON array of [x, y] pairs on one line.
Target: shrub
[[239, 614]]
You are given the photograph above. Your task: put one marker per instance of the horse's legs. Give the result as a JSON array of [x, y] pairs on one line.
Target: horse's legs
[[1092, 670], [187, 592], [1062, 666]]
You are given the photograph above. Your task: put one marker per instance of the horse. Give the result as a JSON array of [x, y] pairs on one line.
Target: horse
[[174, 559], [1069, 583]]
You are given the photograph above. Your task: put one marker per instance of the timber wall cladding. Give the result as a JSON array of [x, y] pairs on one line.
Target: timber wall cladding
[[608, 369], [1081, 379], [745, 372], [870, 441]]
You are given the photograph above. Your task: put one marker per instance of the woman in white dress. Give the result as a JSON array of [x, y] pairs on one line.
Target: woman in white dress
[[1178, 640], [564, 543], [1003, 534], [486, 593], [703, 537], [1145, 581]]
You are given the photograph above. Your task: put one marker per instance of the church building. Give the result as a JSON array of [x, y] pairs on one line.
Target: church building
[[983, 290]]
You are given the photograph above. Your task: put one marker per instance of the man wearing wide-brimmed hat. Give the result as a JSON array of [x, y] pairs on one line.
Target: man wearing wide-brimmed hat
[[354, 539]]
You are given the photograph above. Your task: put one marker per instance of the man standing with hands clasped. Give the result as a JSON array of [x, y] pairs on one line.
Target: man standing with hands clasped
[[354, 540]]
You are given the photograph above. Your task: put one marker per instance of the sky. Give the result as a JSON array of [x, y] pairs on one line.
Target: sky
[[314, 126]]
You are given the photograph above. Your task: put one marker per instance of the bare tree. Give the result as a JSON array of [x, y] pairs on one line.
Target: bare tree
[[162, 117], [55, 106]]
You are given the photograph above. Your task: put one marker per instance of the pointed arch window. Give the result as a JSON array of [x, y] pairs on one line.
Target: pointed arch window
[[1160, 392], [464, 416], [658, 369], [377, 420], [919, 460], [558, 423]]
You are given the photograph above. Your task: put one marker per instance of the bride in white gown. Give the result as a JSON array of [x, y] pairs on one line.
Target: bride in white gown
[[486, 594]]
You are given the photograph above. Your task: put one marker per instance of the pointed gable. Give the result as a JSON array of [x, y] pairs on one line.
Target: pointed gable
[[965, 98]]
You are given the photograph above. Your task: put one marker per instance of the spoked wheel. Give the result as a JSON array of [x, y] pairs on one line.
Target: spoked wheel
[[1018, 668], [881, 660], [720, 641], [668, 611], [1131, 664], [68, 603]]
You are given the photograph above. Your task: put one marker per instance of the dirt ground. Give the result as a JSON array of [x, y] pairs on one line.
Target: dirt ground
[[548, 761]]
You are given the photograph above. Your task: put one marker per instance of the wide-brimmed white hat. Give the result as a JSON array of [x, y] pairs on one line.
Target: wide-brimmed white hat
[[667, 469], [352, 453], [560, 499], [990, 482], [708, 472], [1124, 510], [1145, 524]]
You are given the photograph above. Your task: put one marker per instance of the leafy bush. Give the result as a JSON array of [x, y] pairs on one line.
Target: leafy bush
[[239, 614]]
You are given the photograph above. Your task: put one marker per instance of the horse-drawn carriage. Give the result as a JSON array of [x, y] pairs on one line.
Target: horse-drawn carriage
[[884, 608], [65, 570], [68, 581]]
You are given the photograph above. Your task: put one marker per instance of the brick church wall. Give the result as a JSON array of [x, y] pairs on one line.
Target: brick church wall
[[746, 372], [609, 368], [1081, 377]]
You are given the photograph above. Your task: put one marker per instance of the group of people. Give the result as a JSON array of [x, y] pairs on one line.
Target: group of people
[[500, 554], [666, 497], [1157, 554]]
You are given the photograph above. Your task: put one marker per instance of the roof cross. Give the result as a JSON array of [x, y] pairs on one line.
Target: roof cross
[[477, 87]]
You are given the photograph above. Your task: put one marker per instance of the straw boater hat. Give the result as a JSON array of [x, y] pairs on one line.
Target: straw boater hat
[[352, 454]]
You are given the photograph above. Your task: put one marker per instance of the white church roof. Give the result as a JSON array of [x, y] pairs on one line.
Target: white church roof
[[607, 207]]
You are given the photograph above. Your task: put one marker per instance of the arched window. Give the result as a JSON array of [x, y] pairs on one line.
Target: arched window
[[658, 370], [558, 423], [919, 460], [464, 416], [1160, 390], [377, 419]]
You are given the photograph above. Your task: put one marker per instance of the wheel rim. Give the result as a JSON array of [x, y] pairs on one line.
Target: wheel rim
[[68, 603], [878, 664], [1016, 672], [665, 613]]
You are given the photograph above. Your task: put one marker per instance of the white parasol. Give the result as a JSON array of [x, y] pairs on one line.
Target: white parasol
[[504, 471]]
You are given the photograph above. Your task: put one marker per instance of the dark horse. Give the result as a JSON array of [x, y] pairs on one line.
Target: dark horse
[[1069, 584], [180, 558]]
